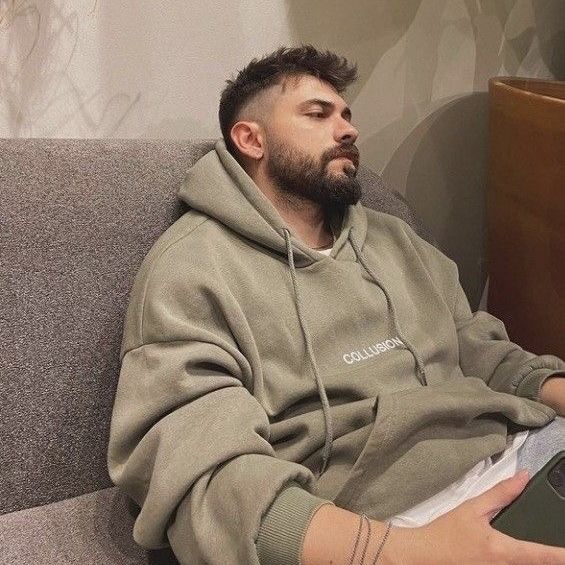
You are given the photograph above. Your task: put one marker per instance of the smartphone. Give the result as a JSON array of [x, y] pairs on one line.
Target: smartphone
[[538, 513]]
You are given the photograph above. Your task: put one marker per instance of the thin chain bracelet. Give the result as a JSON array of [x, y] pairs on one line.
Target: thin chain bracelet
[[363, 516], [382, 544], [356, 540]]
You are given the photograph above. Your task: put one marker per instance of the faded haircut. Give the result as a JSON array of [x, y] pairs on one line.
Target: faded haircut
[[275, 69]]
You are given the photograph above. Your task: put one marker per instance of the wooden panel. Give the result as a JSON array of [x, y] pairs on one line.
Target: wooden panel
[[526, 211]]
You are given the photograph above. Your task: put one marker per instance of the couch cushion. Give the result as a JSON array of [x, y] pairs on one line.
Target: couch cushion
[[90, 529], [77, 217]]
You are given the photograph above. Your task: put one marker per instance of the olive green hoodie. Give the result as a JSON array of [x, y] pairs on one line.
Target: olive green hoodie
[[261, 378]]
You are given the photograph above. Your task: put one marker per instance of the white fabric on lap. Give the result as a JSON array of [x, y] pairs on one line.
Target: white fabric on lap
[[480, 478]]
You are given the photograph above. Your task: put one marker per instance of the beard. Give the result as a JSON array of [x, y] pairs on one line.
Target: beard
[[301, 177]]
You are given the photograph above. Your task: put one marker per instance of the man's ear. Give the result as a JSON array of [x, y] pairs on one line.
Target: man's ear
[[248, 138]]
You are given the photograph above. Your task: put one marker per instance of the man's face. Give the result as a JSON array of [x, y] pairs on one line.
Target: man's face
[[310, 145]]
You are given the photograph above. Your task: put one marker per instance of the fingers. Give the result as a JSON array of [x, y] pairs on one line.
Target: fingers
[[500, 495]]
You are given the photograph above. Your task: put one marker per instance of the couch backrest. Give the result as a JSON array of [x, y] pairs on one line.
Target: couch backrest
[[76, 219]]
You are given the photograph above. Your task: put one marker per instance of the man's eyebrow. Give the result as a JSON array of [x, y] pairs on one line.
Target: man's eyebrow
[[325, 104]]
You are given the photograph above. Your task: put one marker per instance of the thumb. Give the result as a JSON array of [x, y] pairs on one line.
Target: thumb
[[501, 494]]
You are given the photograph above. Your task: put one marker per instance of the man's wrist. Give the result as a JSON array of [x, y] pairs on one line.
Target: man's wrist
[[552, 393], [284, 525], [342, 537]]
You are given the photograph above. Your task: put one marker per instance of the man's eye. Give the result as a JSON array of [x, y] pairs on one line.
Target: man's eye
[[317, 114]]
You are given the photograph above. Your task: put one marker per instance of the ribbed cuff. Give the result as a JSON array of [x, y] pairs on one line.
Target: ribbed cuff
[[284, 526], [530, 385]]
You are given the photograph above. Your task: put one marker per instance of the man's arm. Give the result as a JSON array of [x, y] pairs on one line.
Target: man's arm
[[188, 441], [552, 393], [485, 351]]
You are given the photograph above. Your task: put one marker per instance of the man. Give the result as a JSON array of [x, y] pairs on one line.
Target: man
[[293, 361]]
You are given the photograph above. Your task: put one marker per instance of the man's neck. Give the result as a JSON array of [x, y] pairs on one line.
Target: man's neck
[[306, 219]]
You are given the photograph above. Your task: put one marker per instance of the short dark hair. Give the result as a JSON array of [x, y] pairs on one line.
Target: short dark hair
[[273, 69]]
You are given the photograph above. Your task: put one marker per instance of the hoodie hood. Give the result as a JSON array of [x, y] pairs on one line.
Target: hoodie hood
[[218, 177]]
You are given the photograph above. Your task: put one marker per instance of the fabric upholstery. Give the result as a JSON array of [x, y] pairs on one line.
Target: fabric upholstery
[[77, 217], [91, 529]]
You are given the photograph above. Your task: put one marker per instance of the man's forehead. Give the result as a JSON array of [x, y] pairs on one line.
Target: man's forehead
[[292, 94], [297, 91]]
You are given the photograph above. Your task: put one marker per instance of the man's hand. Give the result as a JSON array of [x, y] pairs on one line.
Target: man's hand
[[552, 393], [464, 535]]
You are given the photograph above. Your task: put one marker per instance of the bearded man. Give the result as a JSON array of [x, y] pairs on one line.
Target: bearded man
[[302, 377]]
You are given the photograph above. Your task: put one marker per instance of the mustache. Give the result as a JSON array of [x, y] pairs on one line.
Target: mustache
[[350, 152]]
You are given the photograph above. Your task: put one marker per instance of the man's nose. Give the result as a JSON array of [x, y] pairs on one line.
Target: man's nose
[[346, 132]]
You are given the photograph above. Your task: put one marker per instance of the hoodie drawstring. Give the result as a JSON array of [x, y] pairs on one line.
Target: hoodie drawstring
[[321, 389], [360, 257], [327, 449]]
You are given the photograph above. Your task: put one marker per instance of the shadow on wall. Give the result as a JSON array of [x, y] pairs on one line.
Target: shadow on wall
[[495, 40], [510, 45], [442, 163], [361, 30], [500, 34], [41, 38], [550, 26]]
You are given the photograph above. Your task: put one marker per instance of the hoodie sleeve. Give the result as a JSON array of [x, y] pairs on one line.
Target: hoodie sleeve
[[188, 441], [485, 351]]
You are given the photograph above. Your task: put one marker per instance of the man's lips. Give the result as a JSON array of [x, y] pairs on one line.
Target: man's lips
[[351, 159]]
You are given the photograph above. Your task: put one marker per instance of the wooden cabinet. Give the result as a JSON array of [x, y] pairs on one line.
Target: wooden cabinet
[[526, 211]]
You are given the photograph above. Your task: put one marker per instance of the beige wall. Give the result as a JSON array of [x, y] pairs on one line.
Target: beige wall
[[101, 68]]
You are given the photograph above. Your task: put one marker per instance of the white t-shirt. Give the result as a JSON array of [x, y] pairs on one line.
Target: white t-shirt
[[480, 478]]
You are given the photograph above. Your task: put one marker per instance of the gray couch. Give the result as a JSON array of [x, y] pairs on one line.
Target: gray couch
[[76, 219]]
